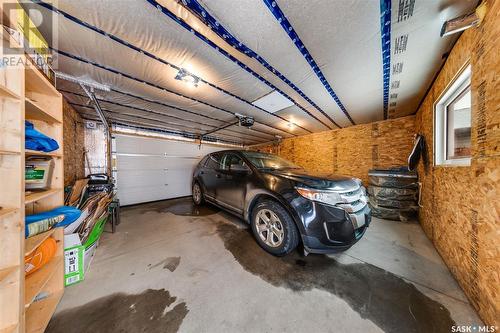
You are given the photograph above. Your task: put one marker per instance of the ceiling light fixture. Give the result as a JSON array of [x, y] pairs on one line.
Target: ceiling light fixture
[[185, 76]]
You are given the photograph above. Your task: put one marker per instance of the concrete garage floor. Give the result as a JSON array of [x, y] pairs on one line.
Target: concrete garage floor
[[172, 267]]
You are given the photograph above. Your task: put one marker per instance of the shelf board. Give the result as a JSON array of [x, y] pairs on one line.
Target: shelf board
[[9, 152], [39, 195], [29, 152], [35, 282], [35, 111], [6, 92], [39, 313], [5, 272], [30, 244], [36, 78], [9, 329], [6, 211]]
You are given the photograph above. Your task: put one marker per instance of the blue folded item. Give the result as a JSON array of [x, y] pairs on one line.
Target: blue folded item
[[58, 217], [35, 140]]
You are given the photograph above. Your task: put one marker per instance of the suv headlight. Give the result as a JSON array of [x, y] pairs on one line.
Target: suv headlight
[[327, 197]]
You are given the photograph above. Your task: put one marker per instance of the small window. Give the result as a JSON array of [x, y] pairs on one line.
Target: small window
[[452, 132]]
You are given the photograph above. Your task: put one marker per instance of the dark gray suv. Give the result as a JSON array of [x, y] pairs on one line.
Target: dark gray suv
[[283, 203]]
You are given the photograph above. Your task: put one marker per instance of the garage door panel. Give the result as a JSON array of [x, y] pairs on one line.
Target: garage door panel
[[179, 163], [143, 194], [150, 169], [135, 178], [141, 162]]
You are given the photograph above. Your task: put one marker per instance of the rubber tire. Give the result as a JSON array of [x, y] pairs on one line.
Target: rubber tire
[[202, 200], [291, 238]]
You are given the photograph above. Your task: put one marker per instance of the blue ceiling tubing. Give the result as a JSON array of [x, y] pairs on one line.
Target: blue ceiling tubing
[[222, 32], [385, 31], [183, 134], [287, 26], [161, 114], [183, 110], [114, 71], [186, 135], [155, 120], [243, 135], [150, 55], [171, 106], [233, 59], [137, 116]]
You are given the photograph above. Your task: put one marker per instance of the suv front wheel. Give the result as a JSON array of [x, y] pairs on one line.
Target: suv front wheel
[[274, 229]]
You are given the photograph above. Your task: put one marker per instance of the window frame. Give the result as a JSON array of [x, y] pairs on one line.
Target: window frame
[[457, 87]]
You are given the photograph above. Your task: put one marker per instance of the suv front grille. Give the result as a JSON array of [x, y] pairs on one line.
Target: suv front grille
[[353, 201]]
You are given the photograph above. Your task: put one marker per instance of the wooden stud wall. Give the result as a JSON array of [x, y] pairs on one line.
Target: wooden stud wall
[[351, 151], [461, 212]]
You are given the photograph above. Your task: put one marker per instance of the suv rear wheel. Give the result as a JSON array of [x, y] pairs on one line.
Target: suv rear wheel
[[197, 194], [274, 228]]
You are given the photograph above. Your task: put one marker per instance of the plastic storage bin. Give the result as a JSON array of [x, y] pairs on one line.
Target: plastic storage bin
[[38, 172]]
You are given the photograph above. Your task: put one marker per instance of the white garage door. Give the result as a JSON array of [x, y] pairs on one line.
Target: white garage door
[[149, 169]]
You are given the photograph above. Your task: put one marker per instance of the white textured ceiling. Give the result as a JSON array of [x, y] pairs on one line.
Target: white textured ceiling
[[343, 38]]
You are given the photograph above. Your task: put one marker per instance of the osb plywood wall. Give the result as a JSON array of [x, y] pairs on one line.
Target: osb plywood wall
[[461, 212], [73, 145], [353, 150]]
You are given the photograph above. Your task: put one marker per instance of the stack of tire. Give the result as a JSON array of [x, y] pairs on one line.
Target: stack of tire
[[393, 194]]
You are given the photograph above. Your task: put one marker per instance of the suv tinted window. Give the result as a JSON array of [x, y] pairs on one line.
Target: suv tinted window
[[230, 159], [213, 161], [203, 161]]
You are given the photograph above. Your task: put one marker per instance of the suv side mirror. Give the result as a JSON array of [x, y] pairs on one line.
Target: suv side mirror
[[239, 168]]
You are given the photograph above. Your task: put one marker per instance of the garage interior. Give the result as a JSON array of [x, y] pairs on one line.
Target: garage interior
[[118, 101]]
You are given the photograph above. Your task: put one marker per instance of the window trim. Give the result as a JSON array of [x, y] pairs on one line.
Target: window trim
[[461, 82]]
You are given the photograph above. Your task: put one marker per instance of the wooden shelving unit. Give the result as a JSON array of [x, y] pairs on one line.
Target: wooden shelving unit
[[42, 311], [39, 153], [40, 281], [11, 194], [34, 197], [6, 92], [35, 112], [27, 303]]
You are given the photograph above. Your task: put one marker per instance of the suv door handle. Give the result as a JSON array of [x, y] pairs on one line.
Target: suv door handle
[[202, 172], [217, 175]]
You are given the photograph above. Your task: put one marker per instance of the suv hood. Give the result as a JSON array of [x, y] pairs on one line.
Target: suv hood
[[318, 180]]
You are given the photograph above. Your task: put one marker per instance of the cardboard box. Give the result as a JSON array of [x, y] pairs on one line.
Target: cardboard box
[[78, 256]]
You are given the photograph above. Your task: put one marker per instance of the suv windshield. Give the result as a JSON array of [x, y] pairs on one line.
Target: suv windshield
[[268, 161]]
